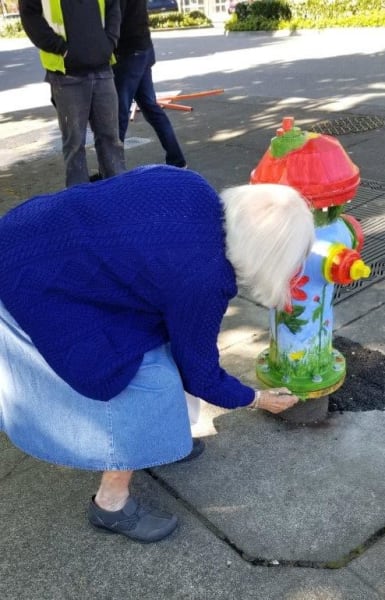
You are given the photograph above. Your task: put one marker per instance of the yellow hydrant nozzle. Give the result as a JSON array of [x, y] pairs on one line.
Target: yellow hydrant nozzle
[[359, 270]]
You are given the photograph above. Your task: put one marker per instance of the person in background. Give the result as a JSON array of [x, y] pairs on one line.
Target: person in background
[[112, 297], [76, 41], [133, 79]]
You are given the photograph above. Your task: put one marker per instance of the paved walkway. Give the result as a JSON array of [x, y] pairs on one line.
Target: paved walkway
[[271, 510]]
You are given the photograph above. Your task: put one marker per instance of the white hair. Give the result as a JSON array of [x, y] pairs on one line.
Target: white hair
[[269, 233]]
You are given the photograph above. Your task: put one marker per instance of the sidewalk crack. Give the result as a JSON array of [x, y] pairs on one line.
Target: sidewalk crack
[[269, 562]]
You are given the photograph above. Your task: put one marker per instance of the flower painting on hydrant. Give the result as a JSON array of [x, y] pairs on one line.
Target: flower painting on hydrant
[[301, 356]]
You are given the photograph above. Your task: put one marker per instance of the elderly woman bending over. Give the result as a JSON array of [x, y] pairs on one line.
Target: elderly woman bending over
[[112, 296]]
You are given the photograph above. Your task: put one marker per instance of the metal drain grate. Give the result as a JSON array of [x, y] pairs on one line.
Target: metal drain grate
[[368, 207], [373, 185], [351, 124]]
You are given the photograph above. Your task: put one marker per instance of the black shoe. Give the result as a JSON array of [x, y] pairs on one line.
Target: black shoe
[[198, 447], [95, 177], [135, 520]]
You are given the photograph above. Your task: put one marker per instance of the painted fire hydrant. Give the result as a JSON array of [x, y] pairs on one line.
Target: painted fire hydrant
[[301, 356]]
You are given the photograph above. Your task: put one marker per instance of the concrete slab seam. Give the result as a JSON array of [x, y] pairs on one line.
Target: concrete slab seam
[[358, 318], [268, 562], [21, 461]]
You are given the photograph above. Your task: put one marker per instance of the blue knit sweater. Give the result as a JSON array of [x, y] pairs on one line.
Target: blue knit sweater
[[99, 274]]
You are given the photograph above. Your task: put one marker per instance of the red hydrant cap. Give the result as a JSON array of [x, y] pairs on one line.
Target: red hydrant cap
[[316, 165]]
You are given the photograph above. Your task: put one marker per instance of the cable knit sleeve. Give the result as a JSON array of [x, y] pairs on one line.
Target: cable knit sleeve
[[194, 319]]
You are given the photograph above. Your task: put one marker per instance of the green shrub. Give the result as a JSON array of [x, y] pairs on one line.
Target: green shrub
[[315, 10], [272, 10], [262, 15], [11, 28], [196, 14], [169, 20], [268, 15], [242, 11]]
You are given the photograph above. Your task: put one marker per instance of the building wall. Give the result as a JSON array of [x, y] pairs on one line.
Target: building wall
[[211, 8]]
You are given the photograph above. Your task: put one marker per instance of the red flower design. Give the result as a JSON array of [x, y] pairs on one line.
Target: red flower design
[[296, 283]]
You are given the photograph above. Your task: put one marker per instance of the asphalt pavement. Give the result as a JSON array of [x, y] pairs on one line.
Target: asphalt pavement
[[271, 510]]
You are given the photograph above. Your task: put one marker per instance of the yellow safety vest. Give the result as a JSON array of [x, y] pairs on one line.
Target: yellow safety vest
[[53, 14]]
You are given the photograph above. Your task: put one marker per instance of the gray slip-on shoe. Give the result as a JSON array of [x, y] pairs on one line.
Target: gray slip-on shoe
[[197, 449], [135, 520]]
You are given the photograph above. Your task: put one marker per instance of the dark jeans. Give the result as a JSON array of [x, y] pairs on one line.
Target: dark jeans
[[133, 80], [81, 100]]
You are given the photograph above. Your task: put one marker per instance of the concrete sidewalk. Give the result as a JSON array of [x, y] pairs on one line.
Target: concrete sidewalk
[[271, 510]]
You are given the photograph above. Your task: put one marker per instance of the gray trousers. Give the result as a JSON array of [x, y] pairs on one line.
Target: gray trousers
[[80, 100]]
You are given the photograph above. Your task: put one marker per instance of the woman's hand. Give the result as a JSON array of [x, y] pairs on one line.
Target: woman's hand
[[274, 400]]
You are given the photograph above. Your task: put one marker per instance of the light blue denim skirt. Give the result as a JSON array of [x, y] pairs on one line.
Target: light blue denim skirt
[[145, 425]]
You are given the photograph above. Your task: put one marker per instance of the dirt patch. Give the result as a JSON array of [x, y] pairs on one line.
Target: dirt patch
[[29, 178], [364, 385]]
